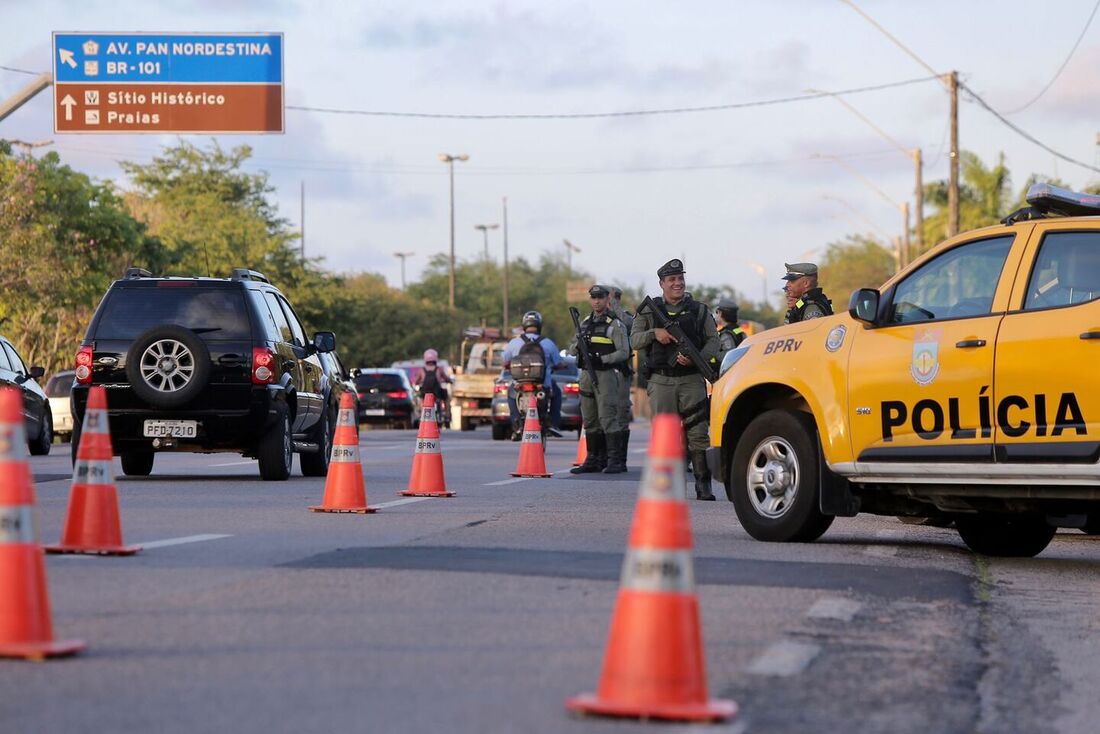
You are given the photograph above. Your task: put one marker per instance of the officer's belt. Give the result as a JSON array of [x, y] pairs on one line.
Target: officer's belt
[[676, 372]]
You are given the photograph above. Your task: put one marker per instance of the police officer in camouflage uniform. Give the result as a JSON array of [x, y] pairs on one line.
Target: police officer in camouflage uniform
[[675, 385], [805, 300], [606, 343], [730, 333], [627, 367]]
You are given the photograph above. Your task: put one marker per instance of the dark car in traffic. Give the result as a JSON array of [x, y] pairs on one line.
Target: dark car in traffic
[[36, 406], [386, 396], [206, 365], [566, 378]]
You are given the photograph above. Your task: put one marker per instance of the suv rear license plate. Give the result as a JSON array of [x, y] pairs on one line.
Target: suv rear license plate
[[374, 411], [171, 429]]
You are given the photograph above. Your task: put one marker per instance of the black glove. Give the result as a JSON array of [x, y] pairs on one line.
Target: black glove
[[597, 361]]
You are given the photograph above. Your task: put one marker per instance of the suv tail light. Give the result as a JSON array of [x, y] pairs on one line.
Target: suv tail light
[[84, 366], [572, 388], [397, 395], [500, 388], [263, 366]]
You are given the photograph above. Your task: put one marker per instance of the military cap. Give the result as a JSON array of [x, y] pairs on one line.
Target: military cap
[[727, 304], [799, 270], [672, 267], [599, 291]]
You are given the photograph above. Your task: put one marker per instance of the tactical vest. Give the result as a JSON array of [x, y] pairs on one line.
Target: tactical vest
[[814, 296], [595, 330], [689, 315]]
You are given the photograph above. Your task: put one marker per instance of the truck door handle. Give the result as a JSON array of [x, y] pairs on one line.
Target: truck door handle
[[1091, 335], [967, 343]]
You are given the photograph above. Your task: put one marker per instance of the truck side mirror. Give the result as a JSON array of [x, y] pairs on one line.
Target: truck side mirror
[[863, 305]]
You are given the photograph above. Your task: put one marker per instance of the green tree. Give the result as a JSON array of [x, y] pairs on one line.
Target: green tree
[[63, 239], [985, 197], [857, 261], [209, 215]]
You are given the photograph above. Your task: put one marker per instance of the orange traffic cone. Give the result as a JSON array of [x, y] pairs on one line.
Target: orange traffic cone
[[344, 488], [426, 478], [25, 627], [532, 461], [582, 448], [653, 666], [92, 525]]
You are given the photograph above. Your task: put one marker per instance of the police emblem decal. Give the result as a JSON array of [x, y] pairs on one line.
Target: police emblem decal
[[835, 340], [926, 363]]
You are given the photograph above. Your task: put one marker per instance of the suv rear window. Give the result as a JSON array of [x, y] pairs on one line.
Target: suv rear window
[[212, 313], [386, 382]]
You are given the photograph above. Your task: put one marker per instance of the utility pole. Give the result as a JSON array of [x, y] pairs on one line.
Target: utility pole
[[485, 231], [504, 205], [450, 161], [302, 218], [953, 176], [918, 162], [570, 248], [905, 251], [403, 255], [24, 95]]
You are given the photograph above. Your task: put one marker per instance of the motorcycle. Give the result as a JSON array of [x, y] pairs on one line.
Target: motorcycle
[[523, 391]]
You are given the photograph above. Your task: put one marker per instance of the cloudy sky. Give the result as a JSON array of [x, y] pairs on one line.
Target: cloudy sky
[[727, 190]]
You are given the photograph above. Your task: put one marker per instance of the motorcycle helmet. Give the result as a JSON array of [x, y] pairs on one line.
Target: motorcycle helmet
[[531, 318], [431, 355]]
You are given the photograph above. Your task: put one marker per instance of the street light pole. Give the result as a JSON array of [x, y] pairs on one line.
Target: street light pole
[[450, 161], [504, 206], [485, 231], [570, 248], [403, 255]]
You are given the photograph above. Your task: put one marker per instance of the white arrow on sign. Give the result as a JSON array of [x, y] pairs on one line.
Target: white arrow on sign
[[67, 57], [68, 103]]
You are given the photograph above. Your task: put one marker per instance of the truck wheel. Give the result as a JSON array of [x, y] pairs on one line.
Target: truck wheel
[[1006, 535], [467, 424], [276, 452], [774, 478]]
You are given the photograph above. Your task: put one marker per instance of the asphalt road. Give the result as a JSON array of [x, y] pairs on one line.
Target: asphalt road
[[484, 612]]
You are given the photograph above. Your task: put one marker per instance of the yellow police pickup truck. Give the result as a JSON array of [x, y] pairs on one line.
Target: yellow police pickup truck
[[964, 390]]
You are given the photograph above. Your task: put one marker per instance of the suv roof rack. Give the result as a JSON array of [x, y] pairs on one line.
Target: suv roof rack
[[246, 274], [133, 273]]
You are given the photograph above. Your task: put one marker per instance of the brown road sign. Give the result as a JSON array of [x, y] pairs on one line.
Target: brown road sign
[[160, 108]]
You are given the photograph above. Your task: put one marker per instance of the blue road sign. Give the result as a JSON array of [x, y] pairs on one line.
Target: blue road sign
[[129, 58]]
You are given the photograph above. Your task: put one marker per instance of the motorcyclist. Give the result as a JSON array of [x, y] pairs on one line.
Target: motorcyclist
[[531, 323], [430, 379]]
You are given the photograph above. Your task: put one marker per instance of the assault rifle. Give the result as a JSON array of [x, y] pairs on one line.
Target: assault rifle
[[583, 347], [684, 345]]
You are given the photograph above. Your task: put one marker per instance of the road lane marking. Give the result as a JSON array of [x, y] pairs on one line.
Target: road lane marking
[[397, 503], [236, 463], [834, 607], [182, 541], [784, 658], [506, 481]]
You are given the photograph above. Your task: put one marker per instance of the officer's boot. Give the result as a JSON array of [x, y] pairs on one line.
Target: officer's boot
[[616, 453], [597, 454], [702, 476]]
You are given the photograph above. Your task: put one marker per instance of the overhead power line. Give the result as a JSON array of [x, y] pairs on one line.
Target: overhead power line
[[621, 113], [19, 71], [1061, 68], [1025, 135]]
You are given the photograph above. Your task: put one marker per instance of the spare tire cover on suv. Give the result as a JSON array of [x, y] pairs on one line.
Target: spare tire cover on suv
[[168, 366]]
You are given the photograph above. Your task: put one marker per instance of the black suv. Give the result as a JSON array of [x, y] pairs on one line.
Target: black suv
[[207, 365]]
